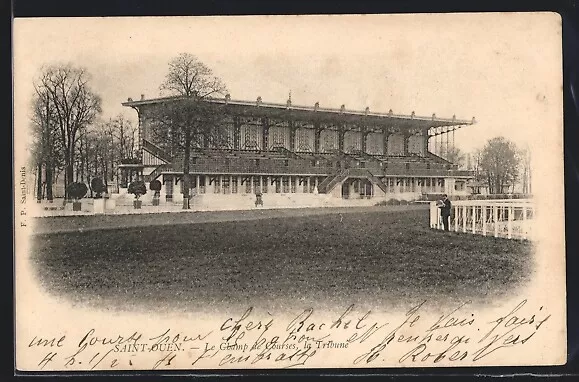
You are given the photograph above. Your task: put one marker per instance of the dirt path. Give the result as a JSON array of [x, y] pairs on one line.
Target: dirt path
[[88, 223]]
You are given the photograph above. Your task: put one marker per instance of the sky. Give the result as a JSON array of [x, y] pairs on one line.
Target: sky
[[503, 69]]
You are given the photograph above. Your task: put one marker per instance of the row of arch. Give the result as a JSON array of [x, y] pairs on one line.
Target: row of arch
[[251, 138]]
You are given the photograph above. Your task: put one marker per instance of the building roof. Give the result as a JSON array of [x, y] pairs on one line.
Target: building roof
[[297, 111]]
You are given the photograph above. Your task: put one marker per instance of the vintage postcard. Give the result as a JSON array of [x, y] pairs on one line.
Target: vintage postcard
[[355, 191]]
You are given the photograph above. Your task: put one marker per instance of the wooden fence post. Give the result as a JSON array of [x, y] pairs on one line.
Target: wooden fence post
[[474, 219], [510, 222], [496, 219], [484, 220]]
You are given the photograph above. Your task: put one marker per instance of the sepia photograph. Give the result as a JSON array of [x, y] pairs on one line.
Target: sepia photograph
[[268, 192]]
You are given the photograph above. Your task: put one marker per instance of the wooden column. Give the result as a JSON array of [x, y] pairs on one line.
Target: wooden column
[[406, 137], [292, 142], [317, 132], [169, 188], [385, 137], [236, 133], [341, 134], [364, 137], [425, 142], [265, 136]]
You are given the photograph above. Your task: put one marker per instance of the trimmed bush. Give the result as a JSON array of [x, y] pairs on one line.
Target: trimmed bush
[[77, 190], [137, 188], [155, 185], [97, 185], [393, 202]]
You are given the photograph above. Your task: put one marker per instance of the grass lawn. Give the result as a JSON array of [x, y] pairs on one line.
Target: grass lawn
[[368, 257]]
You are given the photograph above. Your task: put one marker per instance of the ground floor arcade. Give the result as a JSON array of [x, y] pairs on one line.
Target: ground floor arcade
[[350, 188]]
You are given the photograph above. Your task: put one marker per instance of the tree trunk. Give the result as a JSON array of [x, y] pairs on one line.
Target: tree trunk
[[186, 182], [39, 184], [49, 177], [69, 160], [81, 160], [65, 189], [105, 167], [69, 175], [86, 162]]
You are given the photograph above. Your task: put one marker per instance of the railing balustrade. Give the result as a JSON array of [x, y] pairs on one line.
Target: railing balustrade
[[507, 218]]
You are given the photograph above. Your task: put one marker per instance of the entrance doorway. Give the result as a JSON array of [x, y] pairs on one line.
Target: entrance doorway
[[346, 189], [357, 188]]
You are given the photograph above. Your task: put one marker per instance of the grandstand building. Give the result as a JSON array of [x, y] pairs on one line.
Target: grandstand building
[[298, 154]]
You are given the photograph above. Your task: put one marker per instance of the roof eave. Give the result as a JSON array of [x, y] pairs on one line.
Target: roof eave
[[270, 105]]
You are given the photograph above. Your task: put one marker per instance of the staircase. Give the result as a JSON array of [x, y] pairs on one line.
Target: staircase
[[331, 181], [156, 151], [378, 182], [156, 172]]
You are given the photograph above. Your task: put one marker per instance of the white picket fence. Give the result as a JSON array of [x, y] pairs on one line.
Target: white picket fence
[[508, 218]]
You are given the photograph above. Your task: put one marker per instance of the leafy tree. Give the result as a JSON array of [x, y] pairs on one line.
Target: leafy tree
[[499, 165], [188, 118]]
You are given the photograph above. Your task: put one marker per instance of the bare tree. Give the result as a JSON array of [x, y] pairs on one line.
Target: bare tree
[[46, 149], [453, 155], [499, 164], [190, 77], [101, 148], [125, 134], [73, 104], [188, 117], [525, 155]]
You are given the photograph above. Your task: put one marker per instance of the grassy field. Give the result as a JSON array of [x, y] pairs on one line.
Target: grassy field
[[370, 257]]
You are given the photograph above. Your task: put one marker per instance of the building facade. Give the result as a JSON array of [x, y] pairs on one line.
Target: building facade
[[282, 150]]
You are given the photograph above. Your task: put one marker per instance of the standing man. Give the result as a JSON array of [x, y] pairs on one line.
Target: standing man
[[445, 207]]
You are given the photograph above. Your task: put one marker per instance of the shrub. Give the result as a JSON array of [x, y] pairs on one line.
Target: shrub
[[76, 190], [97, 185], [393, 202], [403, 202], [155, 185], [137, 188]]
